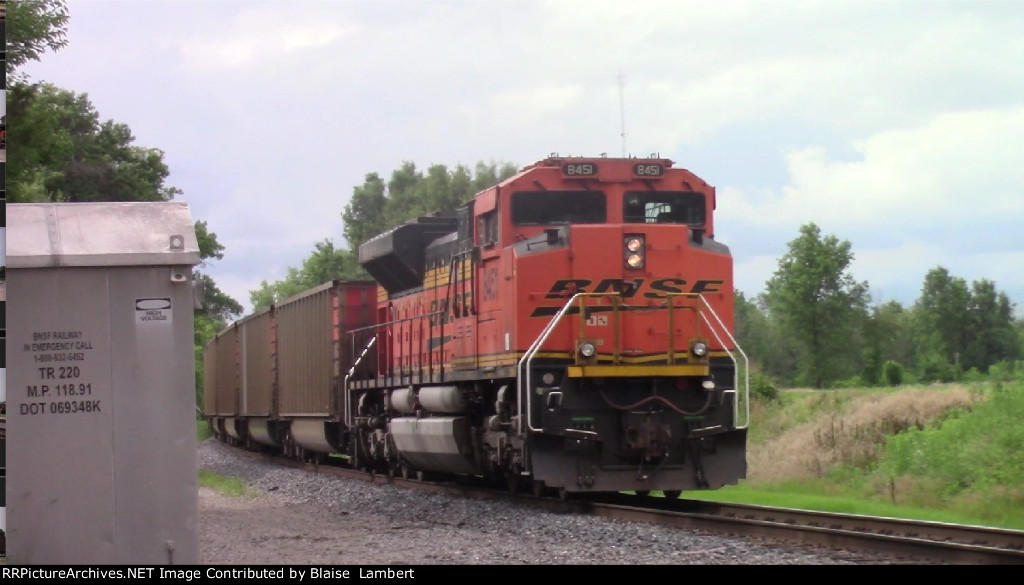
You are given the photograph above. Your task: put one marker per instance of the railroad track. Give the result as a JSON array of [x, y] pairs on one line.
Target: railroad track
[[914, 540], [935, 541]]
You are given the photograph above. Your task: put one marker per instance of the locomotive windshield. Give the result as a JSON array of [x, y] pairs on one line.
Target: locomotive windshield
[[558, 207], [664, 207]]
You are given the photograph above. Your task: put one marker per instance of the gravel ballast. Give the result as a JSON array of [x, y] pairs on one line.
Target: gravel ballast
[[296, 517]]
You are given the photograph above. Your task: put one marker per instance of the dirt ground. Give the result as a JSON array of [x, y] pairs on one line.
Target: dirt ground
[[268, 529]]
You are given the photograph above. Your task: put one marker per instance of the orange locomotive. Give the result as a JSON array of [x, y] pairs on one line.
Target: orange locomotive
[[568, 329]]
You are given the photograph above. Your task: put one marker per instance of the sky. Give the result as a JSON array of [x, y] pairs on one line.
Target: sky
[[894, 125]]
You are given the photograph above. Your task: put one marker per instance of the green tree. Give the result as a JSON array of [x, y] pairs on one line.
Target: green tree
[[434, 191], [768, 350], [66, 154], [489, 174], [33, 27], [872, 357], [1018, 327], [44, 143], [941, 325], [217, 307], [376, 207], [403, 200], [887, 337], [462, 186], [324, 264], [819, 306], [991, 336], [363, 216], [372, 210], [216, 304]]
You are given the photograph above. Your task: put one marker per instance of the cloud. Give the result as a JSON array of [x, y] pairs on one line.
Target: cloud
[[944, 193], [905, 178], [257, 36]]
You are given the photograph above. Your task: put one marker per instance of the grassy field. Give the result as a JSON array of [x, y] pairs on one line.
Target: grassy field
[[946, 453]]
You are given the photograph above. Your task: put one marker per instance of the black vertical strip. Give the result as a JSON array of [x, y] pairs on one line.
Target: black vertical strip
[[3, 49], [3, 276]]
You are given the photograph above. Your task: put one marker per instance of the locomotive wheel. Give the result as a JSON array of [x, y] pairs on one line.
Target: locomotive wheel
[[353, 456], [538, 487], [514, 482], [406, 472], [563, 494], [673, 494]]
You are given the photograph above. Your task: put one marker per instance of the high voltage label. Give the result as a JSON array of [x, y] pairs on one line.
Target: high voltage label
[[153, 310]]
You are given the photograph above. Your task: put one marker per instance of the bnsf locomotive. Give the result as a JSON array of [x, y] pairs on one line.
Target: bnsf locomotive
[[569, 329]]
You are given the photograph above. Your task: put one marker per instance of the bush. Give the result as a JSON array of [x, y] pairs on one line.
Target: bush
[[873, 368], [893, 372], [763, 387], [935, 369], [1006, 370], [973, 375]]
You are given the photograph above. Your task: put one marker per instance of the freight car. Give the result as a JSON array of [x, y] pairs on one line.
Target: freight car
[[567, 330]]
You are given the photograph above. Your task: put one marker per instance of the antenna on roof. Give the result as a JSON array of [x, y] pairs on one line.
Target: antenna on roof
[[622, 113]]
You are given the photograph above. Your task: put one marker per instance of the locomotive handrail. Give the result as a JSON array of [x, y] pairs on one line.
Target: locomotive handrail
[[528, 357], [531, 352], [735, 374], [349, 419], [386, 324]]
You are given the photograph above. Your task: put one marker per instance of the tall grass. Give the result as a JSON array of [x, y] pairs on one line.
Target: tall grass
[[948, 452]]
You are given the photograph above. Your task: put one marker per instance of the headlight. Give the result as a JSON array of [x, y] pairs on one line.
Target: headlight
[[634, 252], [587, 349], [699, 349]]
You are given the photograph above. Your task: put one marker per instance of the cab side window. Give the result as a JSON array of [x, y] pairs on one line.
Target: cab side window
[[487, 228]]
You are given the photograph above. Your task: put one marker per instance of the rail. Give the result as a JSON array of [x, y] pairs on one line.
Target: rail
[[525, 370]]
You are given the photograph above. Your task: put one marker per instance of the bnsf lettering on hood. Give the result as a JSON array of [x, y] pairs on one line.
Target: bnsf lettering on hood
[[655, 289]]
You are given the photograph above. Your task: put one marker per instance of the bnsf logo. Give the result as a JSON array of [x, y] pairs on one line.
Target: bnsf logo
[[657, 288]]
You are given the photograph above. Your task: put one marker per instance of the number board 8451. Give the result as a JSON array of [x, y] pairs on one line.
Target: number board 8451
[[648, 170], [579, 169]]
